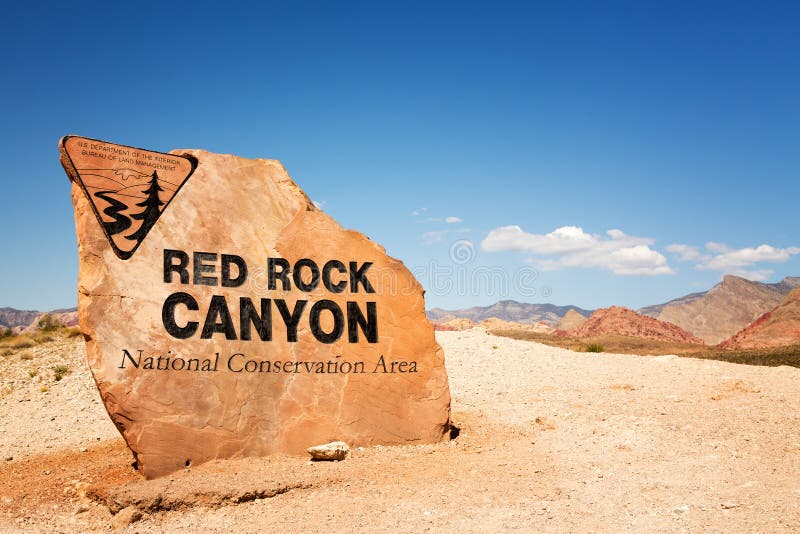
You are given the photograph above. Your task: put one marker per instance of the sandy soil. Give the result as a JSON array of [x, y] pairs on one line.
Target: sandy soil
[[550, 440]]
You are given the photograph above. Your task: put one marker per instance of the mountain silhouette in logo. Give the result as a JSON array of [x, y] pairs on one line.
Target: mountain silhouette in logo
[[128, 210], [128, 198]]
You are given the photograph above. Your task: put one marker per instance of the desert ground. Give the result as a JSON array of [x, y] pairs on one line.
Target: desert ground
[[549, 440]]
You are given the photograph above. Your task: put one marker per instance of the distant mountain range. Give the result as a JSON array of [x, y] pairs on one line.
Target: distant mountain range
[[22, 320], [723, 310], [777, 327], [508, 310], [713, 316]]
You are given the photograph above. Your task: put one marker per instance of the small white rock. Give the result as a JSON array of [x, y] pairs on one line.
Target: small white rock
[[335, 450]]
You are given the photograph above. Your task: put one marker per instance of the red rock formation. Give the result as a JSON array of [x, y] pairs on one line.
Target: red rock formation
[[626, 322], [725, 309], [775, 328]]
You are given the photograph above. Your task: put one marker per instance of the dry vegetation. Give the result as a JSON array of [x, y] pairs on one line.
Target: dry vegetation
[[21, 358], [13, 343], [631, 345]]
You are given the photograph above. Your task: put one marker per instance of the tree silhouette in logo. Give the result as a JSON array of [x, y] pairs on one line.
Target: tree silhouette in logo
[[152, 209]]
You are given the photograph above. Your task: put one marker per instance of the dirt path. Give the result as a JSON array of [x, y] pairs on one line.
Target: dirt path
[[550, 440]]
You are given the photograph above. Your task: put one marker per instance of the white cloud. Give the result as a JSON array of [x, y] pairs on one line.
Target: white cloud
[[559, 241], [729, 260], [437, 236], [685, 252], [419, 217], [320, 204], [717, 247], [434, 236], [570, 246], [638, 260], [616, 234]]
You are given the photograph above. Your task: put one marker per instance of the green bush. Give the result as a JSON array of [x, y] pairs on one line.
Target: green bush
[[594, 347], [48, 323], [59, 371]]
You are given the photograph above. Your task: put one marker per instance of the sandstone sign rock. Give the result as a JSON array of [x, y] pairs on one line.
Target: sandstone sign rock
[[226, 316]]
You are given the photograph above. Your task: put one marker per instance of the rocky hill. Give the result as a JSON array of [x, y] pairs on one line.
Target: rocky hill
[[27, 320], [454, 325], [778, 327], [656, 309], [723, 310], [786, 285], [571, 321], [617, 320], [11, 318], [493, 323], [507, 310]]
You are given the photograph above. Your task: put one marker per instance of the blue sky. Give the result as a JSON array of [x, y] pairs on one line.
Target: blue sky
[[586, 153]]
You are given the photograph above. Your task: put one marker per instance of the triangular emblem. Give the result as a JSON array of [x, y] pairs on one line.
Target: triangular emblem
[[129, 188]]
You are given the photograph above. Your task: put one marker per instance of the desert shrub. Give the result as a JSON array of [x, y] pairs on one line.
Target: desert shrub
[[73, 332], [594, 347], [32, 373], [40, 337], [48, 323], [6, 352], [26, 356], [16, 342], [22, 343], [59, 371], [5, 332]]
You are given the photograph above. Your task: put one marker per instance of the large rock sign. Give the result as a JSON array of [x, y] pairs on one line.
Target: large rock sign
[[226, 316]]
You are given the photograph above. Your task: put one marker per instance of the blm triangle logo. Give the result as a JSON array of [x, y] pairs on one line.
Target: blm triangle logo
[[129, 188]]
